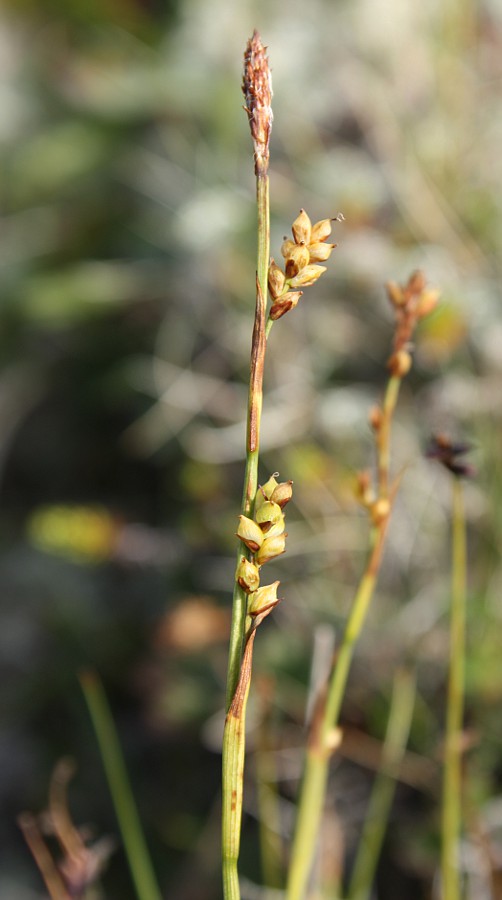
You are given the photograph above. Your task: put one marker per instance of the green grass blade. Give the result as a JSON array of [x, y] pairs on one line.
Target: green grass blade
[[120, 789]]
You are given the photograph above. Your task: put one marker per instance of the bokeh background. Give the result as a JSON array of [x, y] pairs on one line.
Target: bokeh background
[[127, 277]]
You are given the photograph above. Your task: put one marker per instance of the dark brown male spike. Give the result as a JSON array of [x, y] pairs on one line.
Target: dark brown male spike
[[257, 89]]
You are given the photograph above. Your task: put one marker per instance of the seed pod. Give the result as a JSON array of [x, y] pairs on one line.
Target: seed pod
[[400, 363], [321, 230], [320, 252], [307, 276], [247, 575], [262, 599], [269, 516], [416, 283], [276, 279], [395, 293], [380, 510], [287, 246], [427, 303], [283, 304], [283, 493], [250, 533], [297, 260], [271, 547], [265, 491], [302, 228]]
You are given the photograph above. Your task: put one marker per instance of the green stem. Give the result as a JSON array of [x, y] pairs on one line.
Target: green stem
[[120, 789], [398, 729], [253, 425], [323, 736], [452, 784], [319, 750], [268, 803], [234, 734], [234, 747], [383, 440], [234, 739]]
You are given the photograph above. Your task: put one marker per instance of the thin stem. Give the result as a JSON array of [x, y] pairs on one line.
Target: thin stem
[[268, 800], [234, 733], [253, 424], [319, 750], [120, 788], [234, 746], [383, 438], [323, 735], [375, 823], [452, 784]]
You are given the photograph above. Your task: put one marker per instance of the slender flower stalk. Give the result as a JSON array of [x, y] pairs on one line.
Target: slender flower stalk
[[325, 735], [411, 303], [261, 529], [452, 784], [257, 88], [450, 455]]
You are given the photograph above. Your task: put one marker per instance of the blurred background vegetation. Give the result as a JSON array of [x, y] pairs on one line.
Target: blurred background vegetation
[[127, 268]]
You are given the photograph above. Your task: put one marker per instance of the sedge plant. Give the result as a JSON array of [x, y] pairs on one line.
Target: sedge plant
[[261, 529]]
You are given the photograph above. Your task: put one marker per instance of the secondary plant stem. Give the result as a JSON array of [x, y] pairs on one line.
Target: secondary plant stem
[[452, 785], [383, 439], [324, 736]]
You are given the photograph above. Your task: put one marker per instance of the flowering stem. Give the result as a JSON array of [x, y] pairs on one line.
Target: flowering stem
[[234, 733], [323, 737], [234, 746], [320, 745], [253, 424], [383, 438], [451, 809]]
